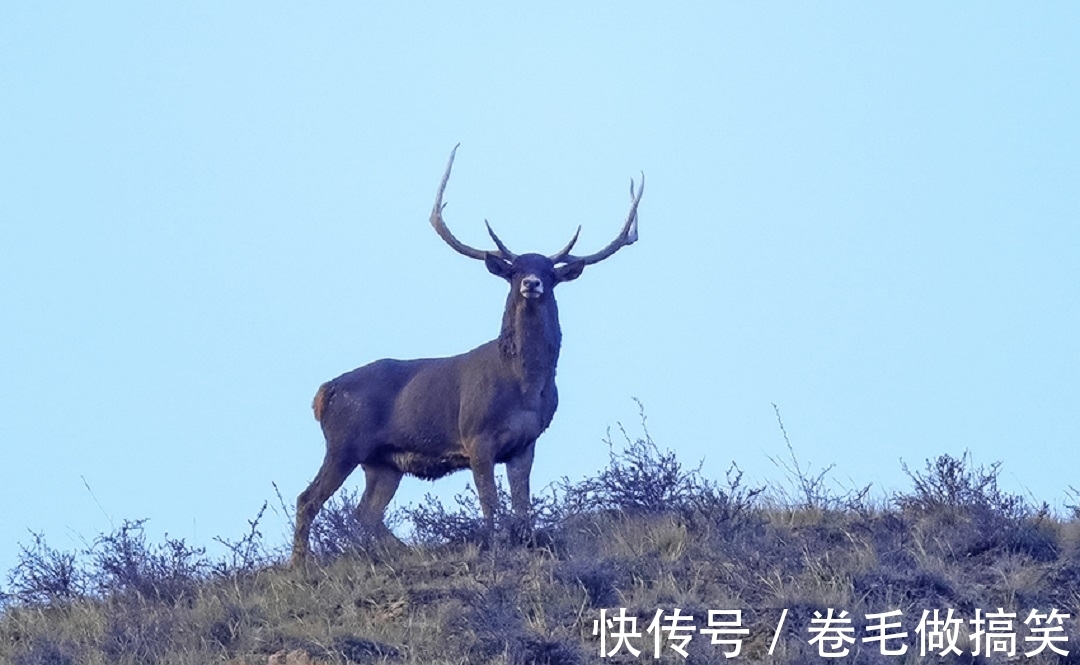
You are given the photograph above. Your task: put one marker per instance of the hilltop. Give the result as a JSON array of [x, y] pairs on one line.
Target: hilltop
[[647, 535]]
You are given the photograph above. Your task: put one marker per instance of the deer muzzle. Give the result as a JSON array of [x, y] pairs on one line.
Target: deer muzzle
[[531, 286]]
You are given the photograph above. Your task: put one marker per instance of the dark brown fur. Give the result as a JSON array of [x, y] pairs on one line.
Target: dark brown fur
[[433, 416]]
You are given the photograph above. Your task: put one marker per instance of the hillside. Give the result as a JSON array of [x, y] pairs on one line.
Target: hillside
[[645, 535]]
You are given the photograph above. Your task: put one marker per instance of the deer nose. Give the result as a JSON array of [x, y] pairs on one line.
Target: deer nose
[[531, 287]]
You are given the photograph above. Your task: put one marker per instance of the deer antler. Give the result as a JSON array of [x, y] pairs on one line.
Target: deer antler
[[627, 236], [561, 255], [506, 253], [444, 232]]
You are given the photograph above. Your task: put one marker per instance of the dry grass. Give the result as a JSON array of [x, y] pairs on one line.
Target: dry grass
[[646, 534]]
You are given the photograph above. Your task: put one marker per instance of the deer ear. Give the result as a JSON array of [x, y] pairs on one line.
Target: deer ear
[[570, 271], [497, 266]]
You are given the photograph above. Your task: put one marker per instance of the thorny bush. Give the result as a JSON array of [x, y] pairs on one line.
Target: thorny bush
[[123, 562], [969, 514], [44, 575]]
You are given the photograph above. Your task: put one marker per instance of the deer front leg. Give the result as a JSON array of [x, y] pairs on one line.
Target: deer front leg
[[483, 467], [518, 469]]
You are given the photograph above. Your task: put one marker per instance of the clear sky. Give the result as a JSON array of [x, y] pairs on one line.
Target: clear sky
[[866, 213]]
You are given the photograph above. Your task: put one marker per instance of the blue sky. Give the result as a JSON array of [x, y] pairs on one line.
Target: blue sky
[[867, 214]]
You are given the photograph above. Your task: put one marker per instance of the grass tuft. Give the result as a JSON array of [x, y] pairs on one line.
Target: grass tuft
[[645, 533]]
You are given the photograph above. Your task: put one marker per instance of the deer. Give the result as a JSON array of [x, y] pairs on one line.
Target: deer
[[430, 417]]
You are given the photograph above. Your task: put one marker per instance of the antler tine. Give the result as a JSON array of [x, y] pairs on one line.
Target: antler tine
[[560, 256], [506, 253], [440, 226], [627, 236]]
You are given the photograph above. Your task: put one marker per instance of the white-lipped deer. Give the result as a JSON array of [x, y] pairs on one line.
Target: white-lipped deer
[[433, 416]]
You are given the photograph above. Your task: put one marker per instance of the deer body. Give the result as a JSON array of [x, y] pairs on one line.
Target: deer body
[[384, 413], [432, 416]]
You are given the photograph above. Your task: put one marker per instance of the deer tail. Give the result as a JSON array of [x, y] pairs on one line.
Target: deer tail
[[318, 405]]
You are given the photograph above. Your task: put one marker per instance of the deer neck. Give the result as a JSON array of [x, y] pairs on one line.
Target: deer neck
[[529, 341]]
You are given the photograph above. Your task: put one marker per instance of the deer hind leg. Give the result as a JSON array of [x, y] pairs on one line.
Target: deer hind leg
[[381, 484], [335, 468], [518, 469]]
